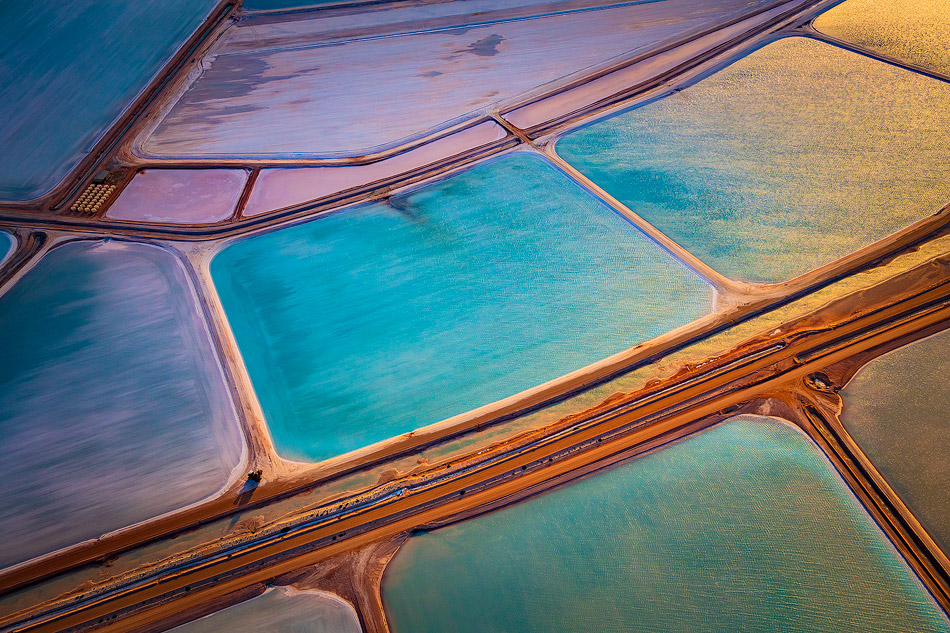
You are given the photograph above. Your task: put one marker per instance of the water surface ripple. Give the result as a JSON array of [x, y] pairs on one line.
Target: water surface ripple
[[68, 70], [743, 527], [792, 157], [375, 321], [113, 408]]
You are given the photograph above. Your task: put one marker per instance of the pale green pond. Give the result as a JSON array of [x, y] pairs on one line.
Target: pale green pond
[[378, 320], [897, 408], [792, 157], [743, 527]]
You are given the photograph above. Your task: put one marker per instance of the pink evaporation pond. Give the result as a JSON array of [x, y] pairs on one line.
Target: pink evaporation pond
[[283, 187], [180, 196]]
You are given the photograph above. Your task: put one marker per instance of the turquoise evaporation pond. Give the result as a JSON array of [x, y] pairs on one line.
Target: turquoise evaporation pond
[[742, 527], [792, 157], [68, 70], [897, 408], [113, 406], [375, 321]]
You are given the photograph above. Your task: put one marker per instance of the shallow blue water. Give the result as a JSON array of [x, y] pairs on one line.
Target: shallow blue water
[[113, 408], [744, 527], [68, 69], [375, 321], [792, 157]]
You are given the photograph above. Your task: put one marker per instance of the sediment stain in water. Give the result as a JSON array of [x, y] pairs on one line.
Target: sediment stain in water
[[375, 321], [68, 70], [743, 527], [113, 408], [280, 610], [912, 31], [484, 47], [792, 157], [897, 408]]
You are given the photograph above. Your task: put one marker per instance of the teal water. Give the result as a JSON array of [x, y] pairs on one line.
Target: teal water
[[7, 246], [743, 527], [897, 408], [68, 69], [113, 408], [792, 157], [281, 610], [378, 320]]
